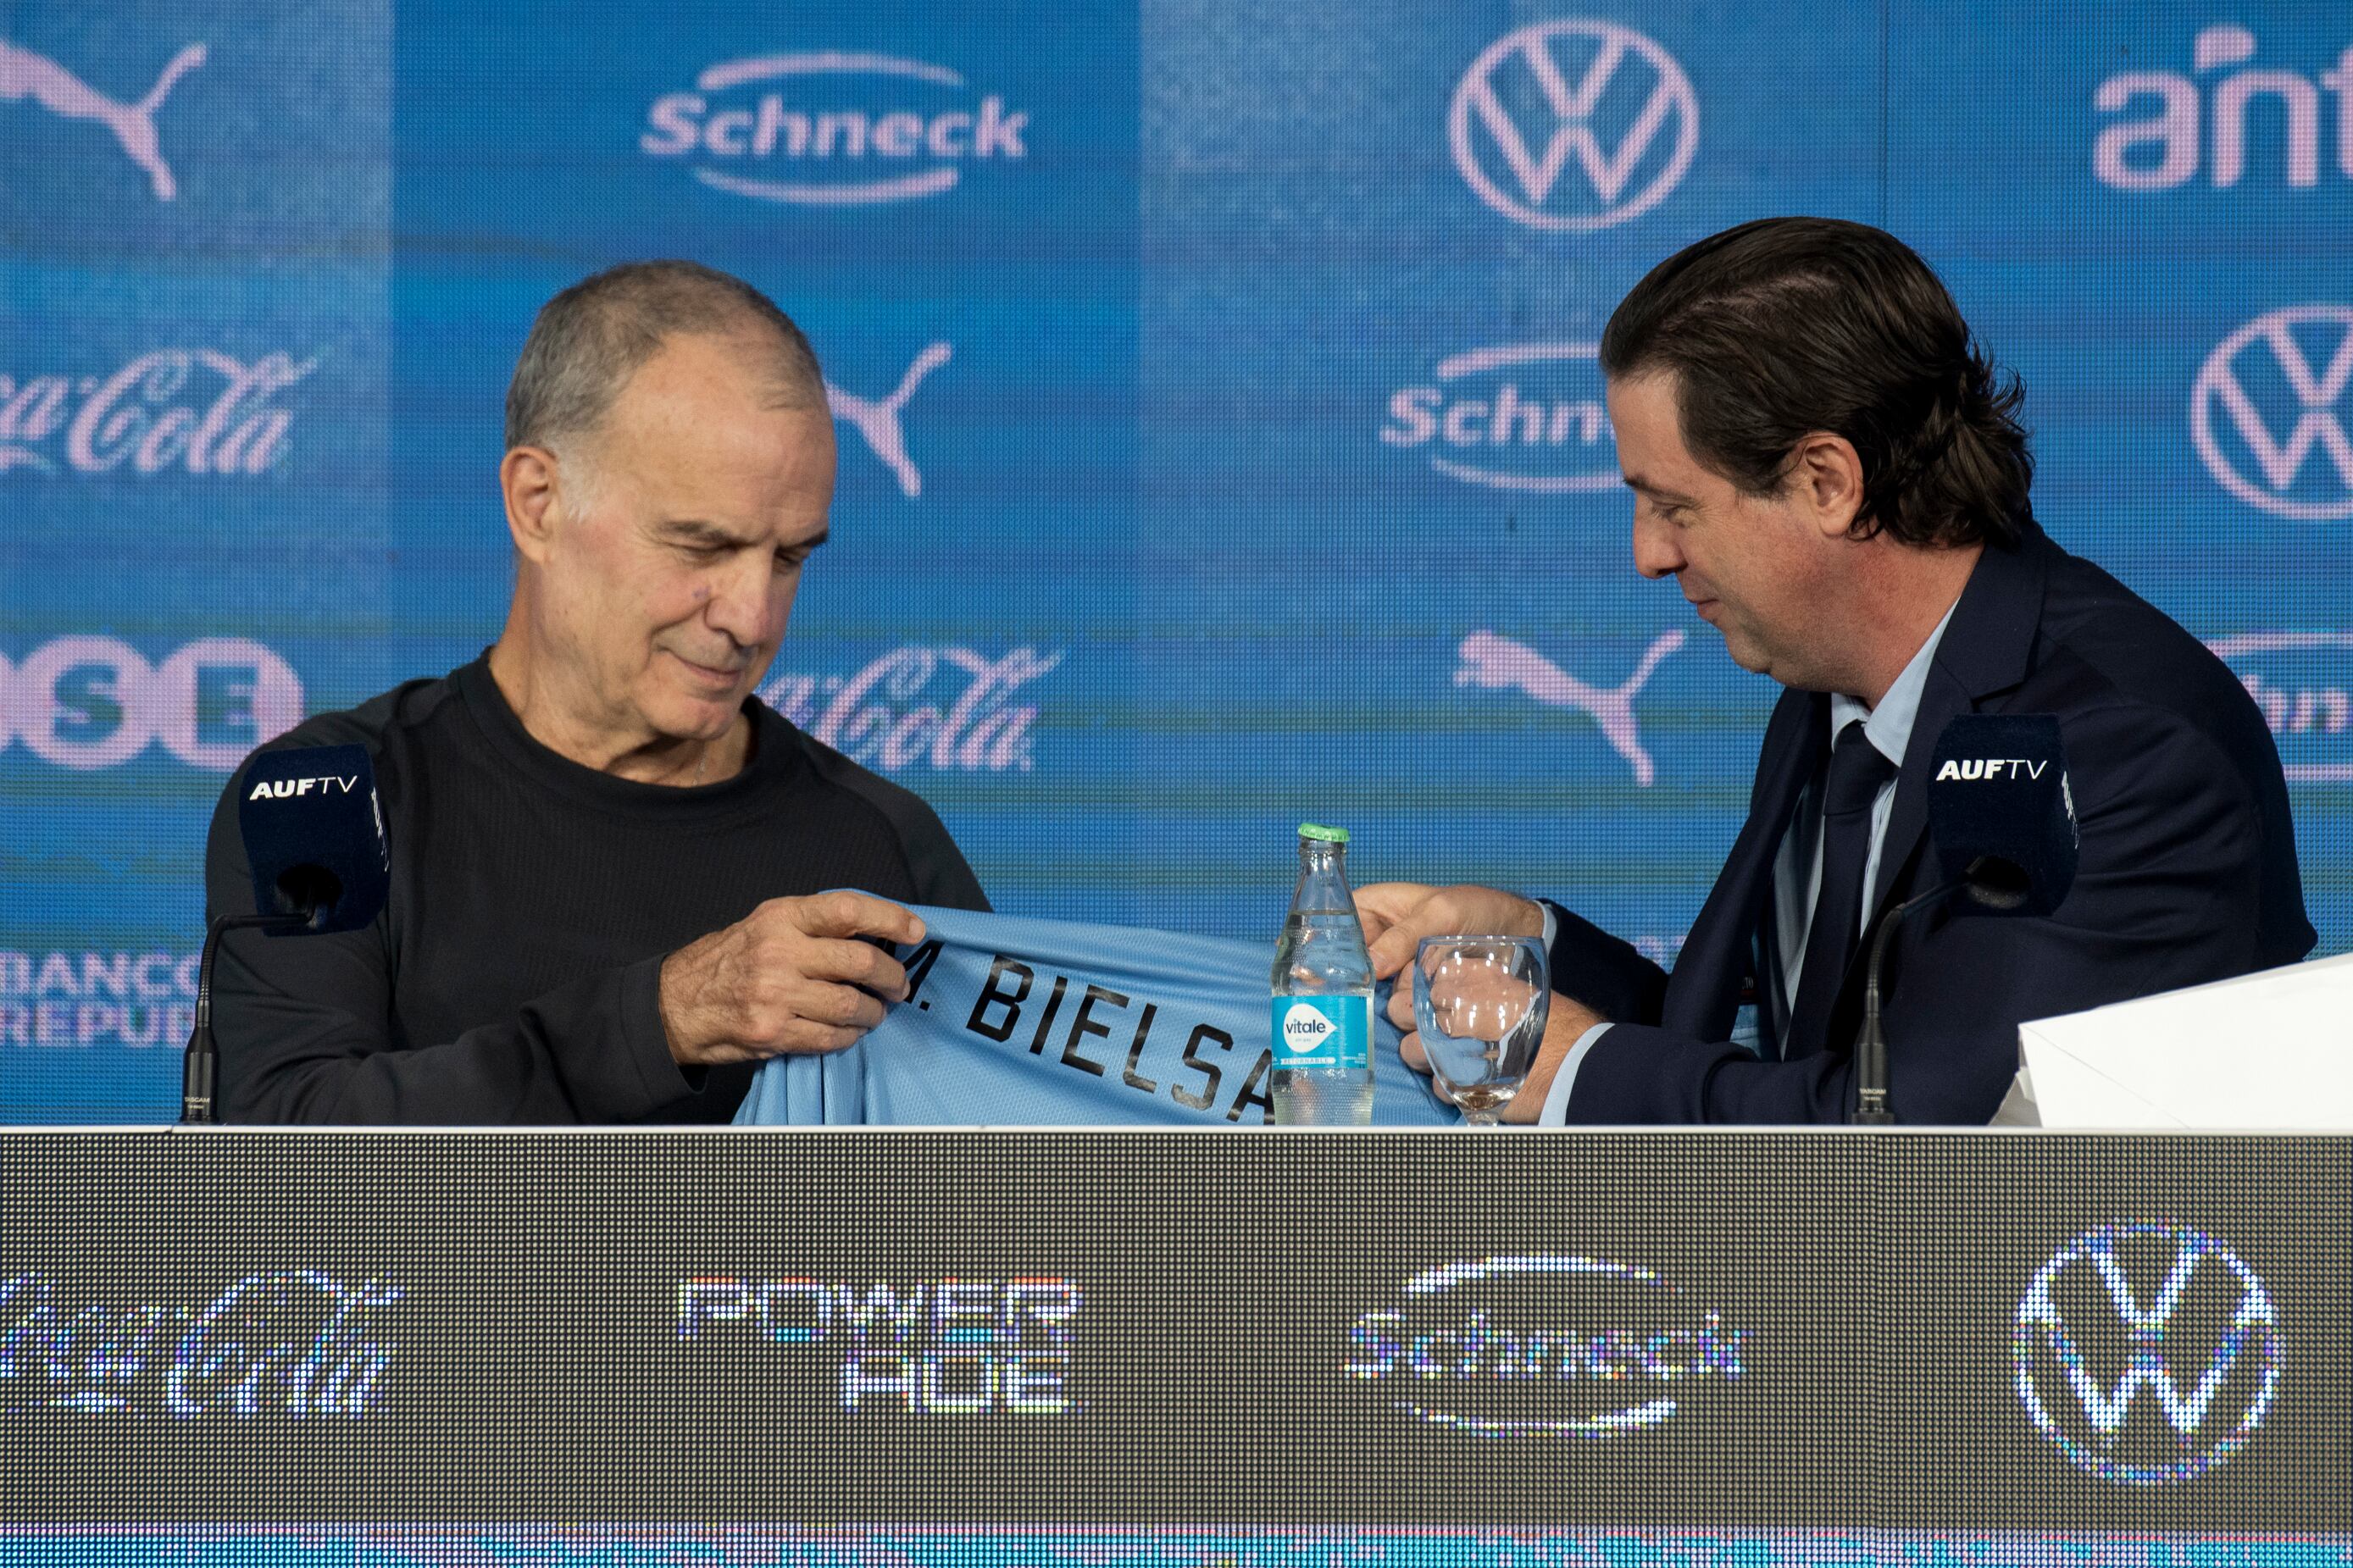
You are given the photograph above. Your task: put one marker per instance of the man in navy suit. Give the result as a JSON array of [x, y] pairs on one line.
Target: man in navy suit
[[1832, 472]]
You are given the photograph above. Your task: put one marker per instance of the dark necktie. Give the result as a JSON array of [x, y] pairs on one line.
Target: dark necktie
[[1853, 782]]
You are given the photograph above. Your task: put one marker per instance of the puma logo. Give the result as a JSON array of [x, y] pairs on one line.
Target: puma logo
[[1496, 663], [24, 73], [878, 420]]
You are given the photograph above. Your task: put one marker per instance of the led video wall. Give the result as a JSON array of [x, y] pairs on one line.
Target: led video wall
[[1021, 1347]]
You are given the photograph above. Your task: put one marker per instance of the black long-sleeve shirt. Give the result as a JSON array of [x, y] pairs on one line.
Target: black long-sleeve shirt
[[515, 975]]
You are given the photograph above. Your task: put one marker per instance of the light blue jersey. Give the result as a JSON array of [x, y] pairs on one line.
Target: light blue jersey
[[1050, 1023]]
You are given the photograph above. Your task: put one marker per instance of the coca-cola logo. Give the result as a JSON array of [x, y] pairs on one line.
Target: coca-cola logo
[[298, 1343], [949, 709], [195, 411]]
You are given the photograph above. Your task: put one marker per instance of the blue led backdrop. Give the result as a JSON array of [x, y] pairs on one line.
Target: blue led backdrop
[[1221, 440]]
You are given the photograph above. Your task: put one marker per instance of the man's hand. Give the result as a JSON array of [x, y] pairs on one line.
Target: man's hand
[[1397, 915], [1565, 1021], [789, 977]]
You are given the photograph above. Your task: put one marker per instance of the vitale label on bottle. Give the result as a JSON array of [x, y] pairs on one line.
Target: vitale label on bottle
[[1319, 1034]]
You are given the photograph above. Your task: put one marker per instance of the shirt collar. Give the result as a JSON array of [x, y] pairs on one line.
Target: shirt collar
[[1888, 727]]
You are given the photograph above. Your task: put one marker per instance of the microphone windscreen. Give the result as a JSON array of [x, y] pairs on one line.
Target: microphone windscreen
[[2001, 813], [314, 834]]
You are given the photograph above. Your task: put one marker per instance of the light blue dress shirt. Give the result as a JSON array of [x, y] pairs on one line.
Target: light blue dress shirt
[[1798, 867]]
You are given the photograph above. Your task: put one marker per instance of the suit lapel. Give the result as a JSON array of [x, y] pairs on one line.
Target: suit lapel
[[1986, 649], [1719, 952], [1941, 699]]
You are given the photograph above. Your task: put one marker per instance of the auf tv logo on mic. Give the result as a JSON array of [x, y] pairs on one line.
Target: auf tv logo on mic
[[1989, 768], [286, 789]]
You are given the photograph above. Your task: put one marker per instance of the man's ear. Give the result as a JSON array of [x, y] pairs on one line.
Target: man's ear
[[1826, 478], [533, 496]]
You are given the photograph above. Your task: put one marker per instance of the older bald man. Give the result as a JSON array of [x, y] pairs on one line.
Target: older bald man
[[607, 852]]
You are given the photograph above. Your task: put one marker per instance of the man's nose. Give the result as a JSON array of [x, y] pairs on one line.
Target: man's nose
[[740, 599], [1655, 552]]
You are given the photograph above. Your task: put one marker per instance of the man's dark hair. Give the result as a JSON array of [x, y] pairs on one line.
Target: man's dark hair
[[1786, 326], [590, 339]]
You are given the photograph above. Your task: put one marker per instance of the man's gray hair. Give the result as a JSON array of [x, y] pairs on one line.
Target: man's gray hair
[[590, 339]]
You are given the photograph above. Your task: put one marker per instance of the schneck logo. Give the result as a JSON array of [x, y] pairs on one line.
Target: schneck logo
[[131, 122], [833, 129], [1545, 95], [2267, 403], [1550, 1344], [2302, 681], [1512, 416], [2147, 1354], [2172, 125]]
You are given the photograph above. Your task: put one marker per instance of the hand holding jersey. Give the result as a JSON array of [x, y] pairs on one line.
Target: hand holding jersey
[[790, 977]]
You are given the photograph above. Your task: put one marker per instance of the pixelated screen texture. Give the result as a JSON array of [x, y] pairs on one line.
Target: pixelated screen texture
[[1221, 443]]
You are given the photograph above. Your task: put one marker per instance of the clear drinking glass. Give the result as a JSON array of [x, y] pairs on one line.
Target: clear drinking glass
[[1480, 1003]]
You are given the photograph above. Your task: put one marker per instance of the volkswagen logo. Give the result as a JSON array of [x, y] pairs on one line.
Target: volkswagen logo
[[2264, 413], [1545, 96], [2147, 1354]]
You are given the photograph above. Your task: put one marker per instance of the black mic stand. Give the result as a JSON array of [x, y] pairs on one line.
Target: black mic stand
[[1871, 1046], [200, 1064], [1993, 884]]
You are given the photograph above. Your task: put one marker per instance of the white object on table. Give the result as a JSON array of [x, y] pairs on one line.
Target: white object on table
[[2269, 1050]]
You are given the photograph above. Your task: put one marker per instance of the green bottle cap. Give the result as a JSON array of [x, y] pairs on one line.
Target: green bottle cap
[[1317, 830]]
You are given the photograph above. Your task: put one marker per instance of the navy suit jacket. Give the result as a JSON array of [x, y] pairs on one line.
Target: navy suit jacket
[[2188, 871]]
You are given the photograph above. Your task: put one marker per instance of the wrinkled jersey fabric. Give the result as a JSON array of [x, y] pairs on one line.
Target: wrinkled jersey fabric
[[1052, 1023]]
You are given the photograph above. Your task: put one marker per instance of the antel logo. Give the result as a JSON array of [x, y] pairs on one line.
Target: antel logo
[[2147, 1354], [131, 122], [1304, 1028], [816, 136], [1512, 416], [87, 702], [2265, 403], [1543, 95], [2173, 123], [2301, 681], [1543, 1344]]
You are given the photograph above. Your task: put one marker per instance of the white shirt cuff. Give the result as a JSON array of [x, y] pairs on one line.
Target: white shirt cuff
[[1555, 1113], [1554, 1110]]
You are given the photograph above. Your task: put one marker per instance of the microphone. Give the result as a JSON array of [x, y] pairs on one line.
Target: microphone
[[2003, 820], [314, 832], [2001, 812]]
